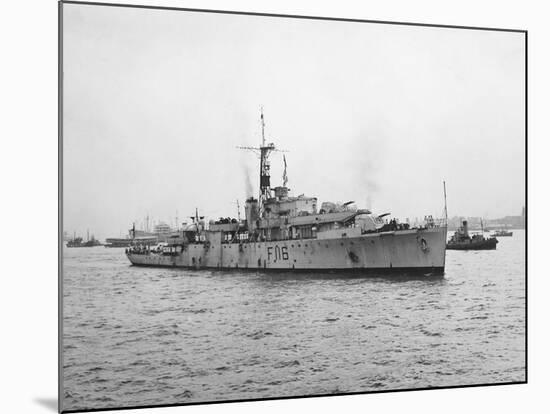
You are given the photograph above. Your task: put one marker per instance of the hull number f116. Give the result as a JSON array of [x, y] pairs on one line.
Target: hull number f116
[[277, 253]]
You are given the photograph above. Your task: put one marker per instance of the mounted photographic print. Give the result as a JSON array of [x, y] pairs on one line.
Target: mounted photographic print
[[260, 206]]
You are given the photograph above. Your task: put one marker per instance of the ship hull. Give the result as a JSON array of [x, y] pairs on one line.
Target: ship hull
[[484, 245], [405, 251]]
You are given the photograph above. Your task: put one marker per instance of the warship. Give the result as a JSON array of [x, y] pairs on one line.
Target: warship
[[462, 240], [285, 233]]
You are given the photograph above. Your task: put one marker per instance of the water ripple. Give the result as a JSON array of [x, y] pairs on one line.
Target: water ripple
[[138, 336]]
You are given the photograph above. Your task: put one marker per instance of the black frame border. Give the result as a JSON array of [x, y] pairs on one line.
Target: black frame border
[[276, 15]]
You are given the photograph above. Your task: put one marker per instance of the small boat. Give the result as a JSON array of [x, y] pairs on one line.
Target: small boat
[[462, 240], [503, 233]]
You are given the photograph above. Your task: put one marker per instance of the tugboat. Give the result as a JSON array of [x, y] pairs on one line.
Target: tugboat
[[503, 233], [298, 234], [462, 240]]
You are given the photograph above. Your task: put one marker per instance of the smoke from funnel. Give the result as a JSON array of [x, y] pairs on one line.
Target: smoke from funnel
[[247, 180], [369, 201], [369, 147], [368, 184]]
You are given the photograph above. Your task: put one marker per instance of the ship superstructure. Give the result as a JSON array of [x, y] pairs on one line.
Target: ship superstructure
[[284, 232]]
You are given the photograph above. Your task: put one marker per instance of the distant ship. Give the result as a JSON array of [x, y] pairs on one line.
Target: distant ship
[[118, 242], [285, 233], [462, 240], [77, 242], [161, 233], [134, 237], [503, 233]]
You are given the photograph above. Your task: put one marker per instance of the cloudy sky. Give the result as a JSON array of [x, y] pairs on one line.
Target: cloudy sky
[[155, 103]]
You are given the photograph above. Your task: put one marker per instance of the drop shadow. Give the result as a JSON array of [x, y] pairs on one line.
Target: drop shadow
[[49, 403]]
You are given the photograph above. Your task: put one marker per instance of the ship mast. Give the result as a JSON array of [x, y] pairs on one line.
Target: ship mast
[[238, 211], [445, 198], [263, 151], [263, 125]]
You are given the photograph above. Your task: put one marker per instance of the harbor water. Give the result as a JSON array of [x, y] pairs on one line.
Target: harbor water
[[148, 336]]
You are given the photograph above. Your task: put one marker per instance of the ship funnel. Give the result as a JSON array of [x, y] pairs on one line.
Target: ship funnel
[[465, 227], [251, 212]]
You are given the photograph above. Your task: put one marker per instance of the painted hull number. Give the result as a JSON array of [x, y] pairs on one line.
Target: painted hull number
[[277, 253]]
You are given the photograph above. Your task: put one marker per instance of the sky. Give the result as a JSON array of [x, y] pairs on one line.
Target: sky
[[155, 103]]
